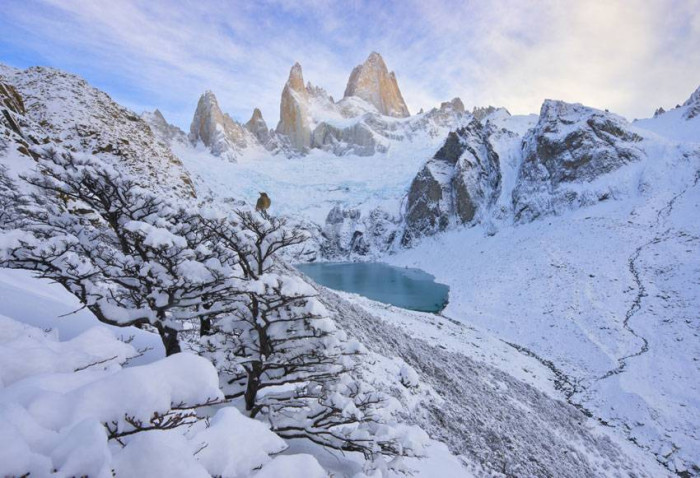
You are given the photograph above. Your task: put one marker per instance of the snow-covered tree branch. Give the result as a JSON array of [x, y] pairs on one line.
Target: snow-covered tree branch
[[132, 257]]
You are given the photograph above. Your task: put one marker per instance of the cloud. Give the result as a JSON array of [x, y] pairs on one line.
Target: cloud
[[629, 56]]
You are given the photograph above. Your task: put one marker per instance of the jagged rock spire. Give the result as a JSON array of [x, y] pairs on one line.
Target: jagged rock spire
[[372, 82], [693, 105], [256, 125], [296, 78], [218, 131], [294, 111]]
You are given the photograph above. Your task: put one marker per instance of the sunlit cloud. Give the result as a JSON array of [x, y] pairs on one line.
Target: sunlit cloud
[[628, 56]]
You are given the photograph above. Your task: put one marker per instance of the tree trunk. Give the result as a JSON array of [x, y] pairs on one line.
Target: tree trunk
[[251, 391], [205, 327], [169, 337]]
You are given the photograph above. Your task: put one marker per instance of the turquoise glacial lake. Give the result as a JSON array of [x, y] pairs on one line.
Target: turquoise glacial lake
[[407, 288]]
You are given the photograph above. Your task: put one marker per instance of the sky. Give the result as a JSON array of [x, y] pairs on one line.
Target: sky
[[629, 56]]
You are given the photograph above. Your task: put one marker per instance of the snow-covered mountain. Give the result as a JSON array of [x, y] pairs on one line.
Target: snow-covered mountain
[[591, 266], [569, 240], [370, 117], [572, 217]]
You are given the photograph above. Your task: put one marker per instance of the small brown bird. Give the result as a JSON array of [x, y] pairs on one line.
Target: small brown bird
[[263, 203]]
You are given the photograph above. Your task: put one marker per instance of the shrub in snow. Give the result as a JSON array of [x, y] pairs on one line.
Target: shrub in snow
[[10, 199], [281, 352], [132, 257], [137, 258]]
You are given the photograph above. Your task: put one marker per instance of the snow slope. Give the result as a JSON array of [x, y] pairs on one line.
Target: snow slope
[[499, 425], [609, 294], [308, 187], [571, 290], [67, 408], [43, 352]]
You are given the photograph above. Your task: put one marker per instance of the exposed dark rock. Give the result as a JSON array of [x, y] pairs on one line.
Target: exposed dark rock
[[463, 177], [693, 105], [571, 143], [11, 99], [349, 233]]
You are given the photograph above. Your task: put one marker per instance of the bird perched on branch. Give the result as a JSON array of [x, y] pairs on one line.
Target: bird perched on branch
[[263, 203]]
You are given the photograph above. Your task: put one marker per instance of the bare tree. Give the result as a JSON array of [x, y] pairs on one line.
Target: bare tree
[[137, 258], [281, 352]]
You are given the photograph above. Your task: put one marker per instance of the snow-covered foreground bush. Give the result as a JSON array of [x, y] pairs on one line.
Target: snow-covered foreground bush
[[70, 409], [134, 257]]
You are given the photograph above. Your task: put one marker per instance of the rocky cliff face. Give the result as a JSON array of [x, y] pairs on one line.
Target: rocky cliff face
[[294, 111], [692, 105], [571, 143], [50, 107], [460, 180], [372, 82], [348, 233], [16, 130], [10, 99], [218, 131]]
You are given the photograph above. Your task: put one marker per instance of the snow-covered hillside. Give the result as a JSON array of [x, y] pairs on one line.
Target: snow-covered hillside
[[58, 108], [569, 240], [601, 285], [607, 294]]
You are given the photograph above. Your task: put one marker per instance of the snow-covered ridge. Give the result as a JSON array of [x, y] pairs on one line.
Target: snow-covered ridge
[[63, 109], [369, 119]]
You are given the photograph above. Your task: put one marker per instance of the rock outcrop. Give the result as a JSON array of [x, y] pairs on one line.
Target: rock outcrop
[[481, 112], [455, 104], [63, 110], [571, 143], [14, 123], [348, 233], [11, 99], [372, 82], [462, 179], [218, 131], [257, 126], [294, 111], [692, 105], [11, 106], [163, 130]]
